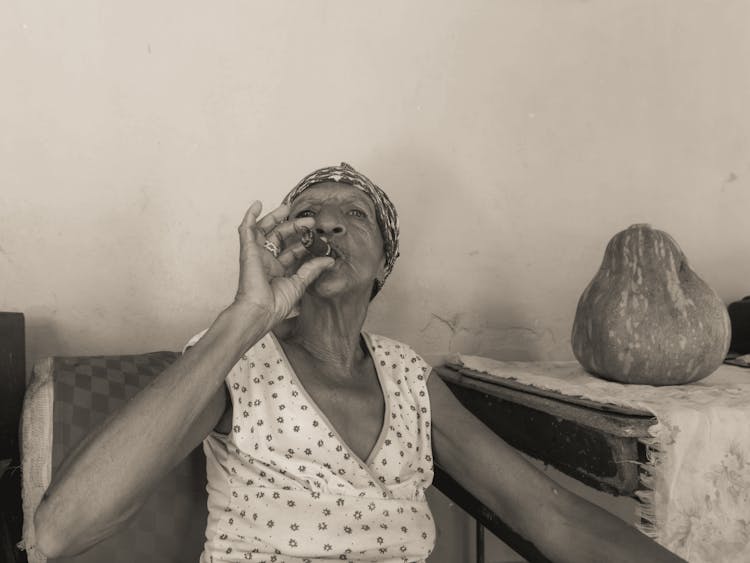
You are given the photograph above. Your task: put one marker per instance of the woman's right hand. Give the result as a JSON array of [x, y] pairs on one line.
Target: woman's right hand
[[268, 284]]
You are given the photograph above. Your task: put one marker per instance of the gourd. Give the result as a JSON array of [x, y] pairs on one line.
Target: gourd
[[647, 317]]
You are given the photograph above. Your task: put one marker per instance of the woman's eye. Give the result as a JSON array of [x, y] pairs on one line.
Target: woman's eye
[[357, 213], [305, 213]]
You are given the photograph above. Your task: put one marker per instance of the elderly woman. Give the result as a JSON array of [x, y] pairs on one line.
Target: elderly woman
[[319, 437]]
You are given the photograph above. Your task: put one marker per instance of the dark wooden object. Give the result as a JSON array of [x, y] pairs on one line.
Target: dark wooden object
[[12, 387], [485, 518], [739, 316], [595, 446]]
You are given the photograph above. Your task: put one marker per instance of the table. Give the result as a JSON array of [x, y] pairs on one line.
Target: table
[[582, 439]]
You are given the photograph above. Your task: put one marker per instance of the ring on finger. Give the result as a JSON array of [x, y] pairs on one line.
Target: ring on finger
[[272, 248]]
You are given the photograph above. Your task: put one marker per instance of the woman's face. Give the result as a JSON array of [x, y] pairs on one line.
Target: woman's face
[[345, 216]]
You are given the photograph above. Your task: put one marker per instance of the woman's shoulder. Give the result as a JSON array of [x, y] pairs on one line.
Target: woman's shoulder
[[280, 331], [397, 349], [265, 346]]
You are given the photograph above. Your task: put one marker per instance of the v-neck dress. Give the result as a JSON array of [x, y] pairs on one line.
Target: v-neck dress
[[284, 487]]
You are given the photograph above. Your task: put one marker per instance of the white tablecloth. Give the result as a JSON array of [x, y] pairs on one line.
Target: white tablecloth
[[696, 484]]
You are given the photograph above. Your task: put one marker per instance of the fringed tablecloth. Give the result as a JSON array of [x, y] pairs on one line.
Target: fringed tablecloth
[[695, 485]]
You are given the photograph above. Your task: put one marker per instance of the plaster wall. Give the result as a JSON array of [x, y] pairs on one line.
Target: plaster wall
[[514, 137]]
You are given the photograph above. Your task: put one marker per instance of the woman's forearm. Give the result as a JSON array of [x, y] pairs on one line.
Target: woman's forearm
[[109, 474], [579, 531]]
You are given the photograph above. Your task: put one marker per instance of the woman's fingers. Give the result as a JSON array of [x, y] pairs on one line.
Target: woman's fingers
[[251, 269], [287, 291], [294, 227], [284, 231], [310, 270], [278, 215], [292, 254], [246, 229]]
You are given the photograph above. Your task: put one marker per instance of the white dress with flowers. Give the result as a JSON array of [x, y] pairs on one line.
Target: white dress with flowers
[[284, 487]]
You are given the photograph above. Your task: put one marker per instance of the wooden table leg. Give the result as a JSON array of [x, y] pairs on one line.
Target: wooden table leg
[[480, 541]]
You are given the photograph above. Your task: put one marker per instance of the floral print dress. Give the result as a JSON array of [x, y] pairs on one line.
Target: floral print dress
[[284, 487]]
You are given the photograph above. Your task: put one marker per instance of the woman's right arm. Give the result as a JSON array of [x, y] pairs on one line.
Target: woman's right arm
[[108, 476]]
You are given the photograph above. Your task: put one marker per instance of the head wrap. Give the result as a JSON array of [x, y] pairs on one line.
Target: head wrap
[[385, 212]]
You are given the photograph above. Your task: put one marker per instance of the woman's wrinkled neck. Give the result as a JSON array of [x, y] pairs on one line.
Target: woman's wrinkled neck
[[329, 330]]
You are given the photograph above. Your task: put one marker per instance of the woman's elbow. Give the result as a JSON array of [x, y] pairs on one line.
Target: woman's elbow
[[60, 533], [50, 539]]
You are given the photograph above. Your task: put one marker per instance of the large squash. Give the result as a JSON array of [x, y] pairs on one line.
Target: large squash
[[646, 317]]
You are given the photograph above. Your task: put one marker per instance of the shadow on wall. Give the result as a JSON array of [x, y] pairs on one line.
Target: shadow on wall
[[42, 336]]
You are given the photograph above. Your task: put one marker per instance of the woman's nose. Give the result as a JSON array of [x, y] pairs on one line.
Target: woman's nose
[[329, 222]]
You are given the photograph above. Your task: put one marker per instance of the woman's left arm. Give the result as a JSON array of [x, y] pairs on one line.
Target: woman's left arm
[[561, 525]]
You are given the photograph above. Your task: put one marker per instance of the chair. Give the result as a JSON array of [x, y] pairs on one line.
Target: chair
[[68, 397]]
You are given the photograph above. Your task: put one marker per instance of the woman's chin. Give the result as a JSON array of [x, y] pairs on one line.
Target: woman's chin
[[331, 284], [328, 286]]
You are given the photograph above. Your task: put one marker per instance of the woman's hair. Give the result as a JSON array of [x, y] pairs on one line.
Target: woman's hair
[[384, 209]]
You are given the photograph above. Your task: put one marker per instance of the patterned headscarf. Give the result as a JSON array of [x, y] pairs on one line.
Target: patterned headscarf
[[384, 210]]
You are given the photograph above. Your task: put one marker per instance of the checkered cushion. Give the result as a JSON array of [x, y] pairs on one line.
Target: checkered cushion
[[171, 525]]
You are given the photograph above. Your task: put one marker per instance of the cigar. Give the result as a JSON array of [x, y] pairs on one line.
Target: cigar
[[315, 244]]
